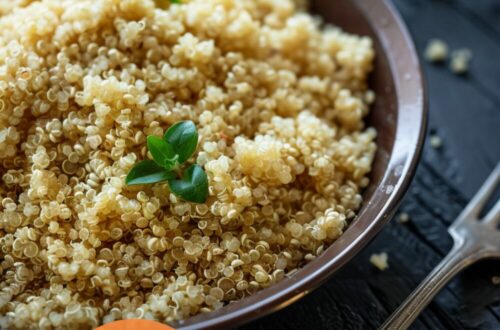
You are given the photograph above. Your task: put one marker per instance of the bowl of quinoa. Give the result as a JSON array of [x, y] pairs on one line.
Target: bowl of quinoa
[[301, 134]]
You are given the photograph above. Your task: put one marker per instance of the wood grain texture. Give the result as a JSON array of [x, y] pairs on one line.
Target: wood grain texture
[[465, 113]]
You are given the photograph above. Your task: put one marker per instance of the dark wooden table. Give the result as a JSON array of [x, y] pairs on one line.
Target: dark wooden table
[[465, 113]]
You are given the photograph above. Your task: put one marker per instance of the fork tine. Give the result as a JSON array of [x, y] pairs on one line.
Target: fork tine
[[477, 203], [493, 215]]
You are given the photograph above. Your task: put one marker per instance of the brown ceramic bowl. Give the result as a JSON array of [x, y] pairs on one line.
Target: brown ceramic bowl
[[399, 115]]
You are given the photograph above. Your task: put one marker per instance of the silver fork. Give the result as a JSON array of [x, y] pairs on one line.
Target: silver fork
[[474, 239]]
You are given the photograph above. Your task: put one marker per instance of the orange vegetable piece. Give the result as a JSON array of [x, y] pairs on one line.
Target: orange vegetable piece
[[135, 325]]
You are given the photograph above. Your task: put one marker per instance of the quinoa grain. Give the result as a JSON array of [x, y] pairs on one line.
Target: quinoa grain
[[436, 51], [460, 59], [380, 261]]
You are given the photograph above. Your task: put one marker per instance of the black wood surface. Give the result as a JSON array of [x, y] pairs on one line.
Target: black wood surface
[[465, 113]]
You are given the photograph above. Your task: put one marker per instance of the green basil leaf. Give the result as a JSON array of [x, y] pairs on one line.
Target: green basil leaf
[[146, 172], [165, 3], [162, 152], [183, 138], [171, 164], [193, 187]]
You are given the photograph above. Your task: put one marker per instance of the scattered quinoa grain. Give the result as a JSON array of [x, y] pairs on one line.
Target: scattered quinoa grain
[[436, 51], [460, 59], [403, 217], [436, 141], [380, 261]]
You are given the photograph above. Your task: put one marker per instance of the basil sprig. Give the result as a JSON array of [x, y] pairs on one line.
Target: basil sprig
[[177, 146]]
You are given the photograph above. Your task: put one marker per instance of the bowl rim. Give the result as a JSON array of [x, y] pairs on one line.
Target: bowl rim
[[405, 155]]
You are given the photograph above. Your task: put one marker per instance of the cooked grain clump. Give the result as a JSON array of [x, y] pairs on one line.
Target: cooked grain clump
[[7, 6], [279, 104]]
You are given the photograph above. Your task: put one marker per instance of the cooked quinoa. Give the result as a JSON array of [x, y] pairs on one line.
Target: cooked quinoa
[[278, 102], [403, 217], [436, 141], [436, 51], [7, 6], [380, 260], [460, 59]]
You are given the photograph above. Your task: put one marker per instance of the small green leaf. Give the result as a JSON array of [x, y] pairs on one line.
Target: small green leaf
[[193, 187], [171, 164], [183, 138], [162, 152], [146, 172], [165, 3]]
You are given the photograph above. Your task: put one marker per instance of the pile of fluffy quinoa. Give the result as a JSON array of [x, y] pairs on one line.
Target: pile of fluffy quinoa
[[278, 101]]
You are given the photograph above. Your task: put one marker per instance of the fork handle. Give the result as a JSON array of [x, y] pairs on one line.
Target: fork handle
[[456, 260]]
